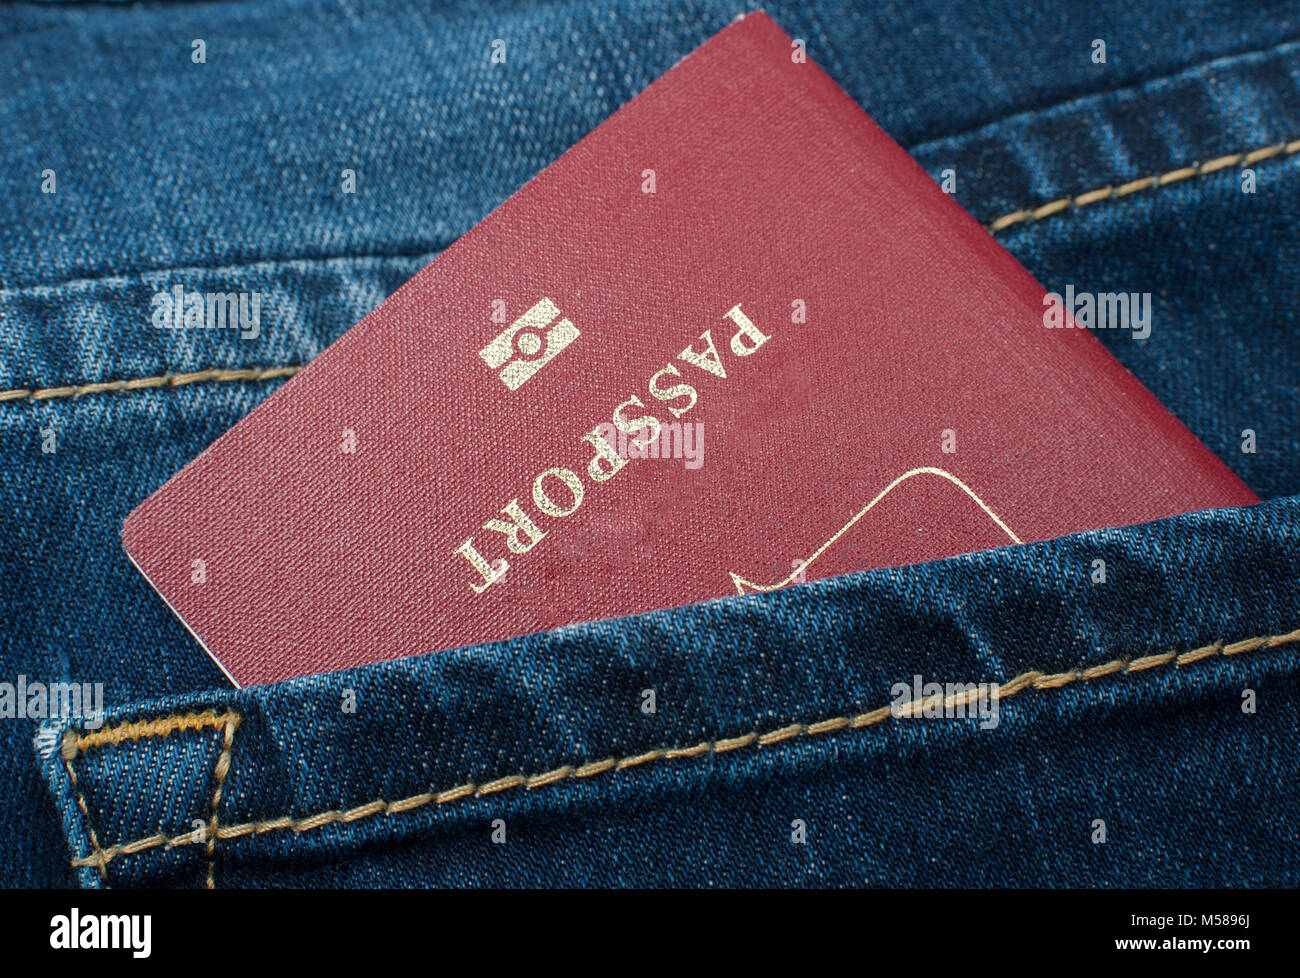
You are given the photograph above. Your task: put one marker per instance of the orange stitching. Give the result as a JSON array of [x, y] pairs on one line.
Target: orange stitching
[[223, 769], [69, 752], [1027, 680], [1058, 206], [167, 380], [75, 744], [1109, 192], [140, 729]]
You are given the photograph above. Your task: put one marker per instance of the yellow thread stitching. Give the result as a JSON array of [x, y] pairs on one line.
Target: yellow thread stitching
[[1110, 192], [1059, 206], [75, 744], [1027, 680], [98, 859], [222, 770], [140, 729], [167, 380]]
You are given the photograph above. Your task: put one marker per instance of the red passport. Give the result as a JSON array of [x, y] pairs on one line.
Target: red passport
[[733, 340]]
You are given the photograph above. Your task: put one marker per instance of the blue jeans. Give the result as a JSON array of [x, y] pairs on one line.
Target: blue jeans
[[1155, 711]]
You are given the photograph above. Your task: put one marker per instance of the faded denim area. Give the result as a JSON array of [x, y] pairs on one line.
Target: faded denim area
[[226, 177]]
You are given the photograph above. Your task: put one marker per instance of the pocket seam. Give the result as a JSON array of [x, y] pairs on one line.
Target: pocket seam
[[230, 720], [1112, 192], [75, 744], [1024, 215], [168, 380]]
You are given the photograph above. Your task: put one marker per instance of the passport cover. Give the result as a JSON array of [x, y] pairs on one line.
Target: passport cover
[[826, 363]]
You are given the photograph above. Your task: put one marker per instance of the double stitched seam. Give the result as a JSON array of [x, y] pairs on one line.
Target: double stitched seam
[[1028, 680], [75, 744], [170, 381]]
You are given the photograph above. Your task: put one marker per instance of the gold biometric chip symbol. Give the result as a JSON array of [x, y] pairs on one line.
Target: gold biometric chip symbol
[[536, 336]]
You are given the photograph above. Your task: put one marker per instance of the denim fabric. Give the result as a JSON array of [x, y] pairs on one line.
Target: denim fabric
[[1164, 755], [224, 176]]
